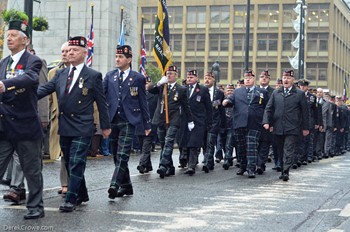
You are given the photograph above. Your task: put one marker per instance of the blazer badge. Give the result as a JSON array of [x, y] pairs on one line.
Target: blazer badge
[[85, 91], [134, 91]]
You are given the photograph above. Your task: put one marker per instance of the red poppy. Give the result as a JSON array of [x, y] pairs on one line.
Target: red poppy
[[19, 67], [197, 90]]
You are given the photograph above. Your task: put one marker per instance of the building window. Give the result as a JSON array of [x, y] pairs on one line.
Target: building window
[[149, 16], [268, 16], [195, 42], [317, 44], [175, 15], [219, 16], [267, 42], [240, 16], [272, 67], [316, 71], [318, 15], [288, 15], [239, 42], [196, 15], [199, 66], [218, 42], [175, 42], [238, 71], [287, 39]]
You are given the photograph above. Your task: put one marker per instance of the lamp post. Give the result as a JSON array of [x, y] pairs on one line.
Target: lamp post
[[247, 31], [301, 60]]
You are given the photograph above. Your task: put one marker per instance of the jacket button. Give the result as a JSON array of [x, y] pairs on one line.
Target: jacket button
[[12, 119], [72, 115], [61, 112], [79, 102]]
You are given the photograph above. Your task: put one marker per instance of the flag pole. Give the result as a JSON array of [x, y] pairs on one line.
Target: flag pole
[[69, 11]]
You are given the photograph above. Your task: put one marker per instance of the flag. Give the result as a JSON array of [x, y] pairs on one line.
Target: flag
[[122, 34], [161, 49], [90, 43], [345, 92], [143, 54]]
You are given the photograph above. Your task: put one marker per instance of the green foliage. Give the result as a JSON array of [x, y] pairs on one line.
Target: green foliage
[[153, 72], [40, 23], [13, 14]]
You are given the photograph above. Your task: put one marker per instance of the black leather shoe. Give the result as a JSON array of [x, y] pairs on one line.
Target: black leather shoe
[[218, 160], [278, 168], [141, 169], [241, 171], [80, 200], [112, 192], [285, 177], [304, 163], [67, 207], [34, 214], [294, 166], [205, 169], [170, 172], [309, 161], [251, 174], [259, 171], [148, 169], [190, 171], [298, 163], [227, 164], [161, 171], [125, 191]]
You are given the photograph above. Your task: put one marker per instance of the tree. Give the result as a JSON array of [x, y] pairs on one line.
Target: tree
[[153, 72]]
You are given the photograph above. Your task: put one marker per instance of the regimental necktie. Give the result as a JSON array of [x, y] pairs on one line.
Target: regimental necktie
[[121, 76], [70, 79], [286, 92], [190, 87], [9, 63]]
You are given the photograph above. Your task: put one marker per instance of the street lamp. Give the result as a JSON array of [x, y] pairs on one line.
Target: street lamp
[[247, 31], [301, 60]]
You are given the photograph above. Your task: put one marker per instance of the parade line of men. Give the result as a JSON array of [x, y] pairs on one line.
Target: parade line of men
[[257, 121]]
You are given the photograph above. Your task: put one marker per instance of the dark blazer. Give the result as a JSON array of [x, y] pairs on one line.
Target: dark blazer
[[135, 107], [248, 114], [313, 111], [287, 114], [19, 104], [201, 108], [76, 108], [219, 115], [177, 105], [266, 134]]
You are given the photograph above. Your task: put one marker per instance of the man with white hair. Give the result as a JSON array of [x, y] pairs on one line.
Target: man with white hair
[[20, 126]]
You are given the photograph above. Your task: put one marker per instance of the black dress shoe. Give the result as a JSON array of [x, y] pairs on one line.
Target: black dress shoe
[[190, 171], [67, 207], [34, 214], [259, 171], [304, 163], [170, 172], [285, 177], [161, 171], [80, 200], [227, 165], [241, 171], [294, 166], [278, 168], [125, 191], [205, 169], [112, 192], [251, 174], [141, 169], [148, 169], [218, 160], [298, 163]]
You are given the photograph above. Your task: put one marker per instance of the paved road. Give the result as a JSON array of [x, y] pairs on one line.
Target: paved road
[[317, 198]]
